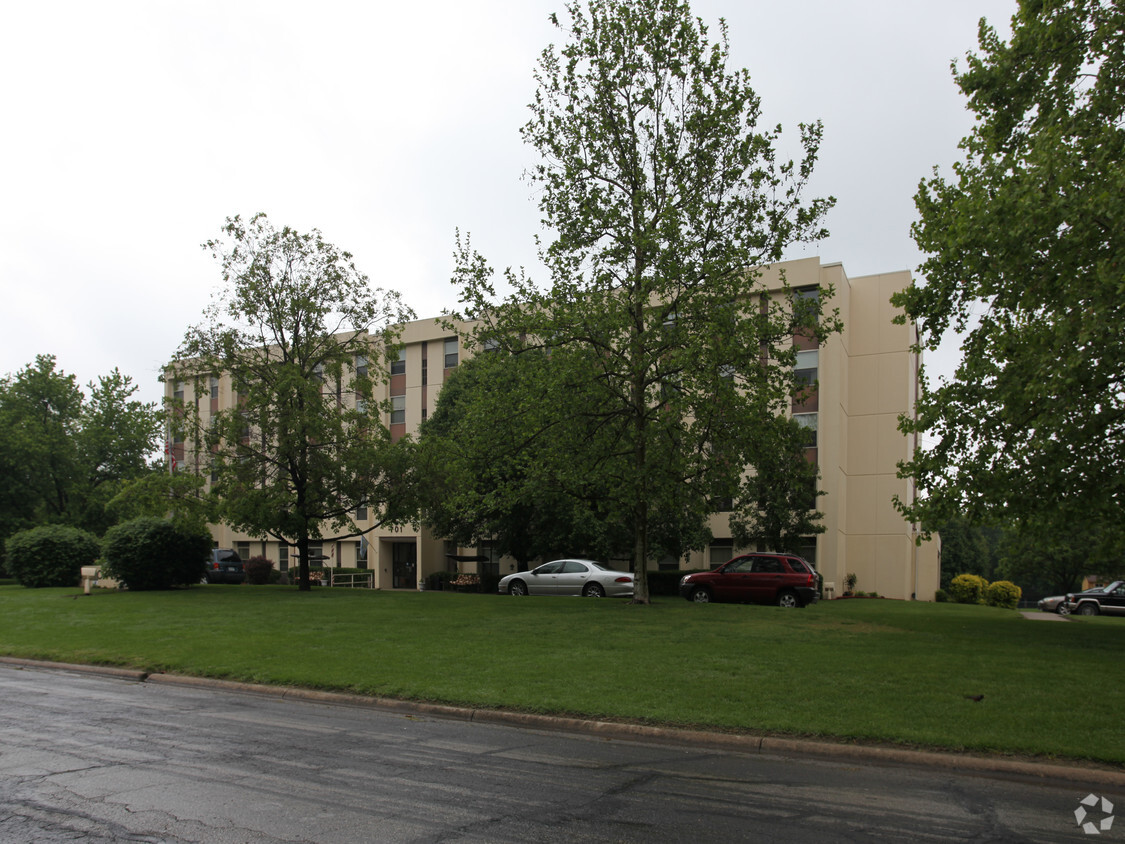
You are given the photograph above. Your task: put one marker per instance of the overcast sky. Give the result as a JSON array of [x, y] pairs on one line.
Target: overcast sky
[[131, 130]]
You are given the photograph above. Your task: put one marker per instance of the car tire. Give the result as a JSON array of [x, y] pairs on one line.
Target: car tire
[[1088, 608], [700, 595], [789, 599], [1062, 610], [517, 588], [594, 590]]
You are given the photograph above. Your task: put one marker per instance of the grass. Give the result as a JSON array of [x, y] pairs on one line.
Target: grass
[[887, 671]]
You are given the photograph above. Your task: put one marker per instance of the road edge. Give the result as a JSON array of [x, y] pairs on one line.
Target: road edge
[[1094, 775]]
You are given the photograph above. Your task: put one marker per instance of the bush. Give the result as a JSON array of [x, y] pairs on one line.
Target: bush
[[150, 553], [667, 582], [439, 580], [941, 596], [258, 570], [968, 588], [51, 555], [1004, 594]]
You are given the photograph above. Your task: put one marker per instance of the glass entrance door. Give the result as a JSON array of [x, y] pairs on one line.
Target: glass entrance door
[[404, 571]]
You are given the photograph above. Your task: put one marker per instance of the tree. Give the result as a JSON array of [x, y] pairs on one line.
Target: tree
[[777, 502], [1025, 252], [181, 497], [494, 460], [63, 454], [300, 332], [663, 198]]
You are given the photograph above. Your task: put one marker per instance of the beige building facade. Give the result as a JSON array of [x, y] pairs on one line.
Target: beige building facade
[[867, 377]]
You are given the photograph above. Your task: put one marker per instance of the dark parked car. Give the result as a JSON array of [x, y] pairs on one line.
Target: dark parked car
[[225, 566], [1106, 599], [760, 578]]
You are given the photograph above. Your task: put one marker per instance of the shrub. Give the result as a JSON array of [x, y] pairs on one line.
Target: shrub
[[941, 596], [150, 553], [258, 570], [1004, 594], [968, 588], [51, 555], [666, 582], [439, 580]]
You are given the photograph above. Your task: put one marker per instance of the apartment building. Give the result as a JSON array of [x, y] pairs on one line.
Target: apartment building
[[867, 376]]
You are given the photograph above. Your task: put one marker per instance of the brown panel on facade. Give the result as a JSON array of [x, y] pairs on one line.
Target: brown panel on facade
[[398, 385], [398, 431], [805, 344], [811, 455], [810, 404]]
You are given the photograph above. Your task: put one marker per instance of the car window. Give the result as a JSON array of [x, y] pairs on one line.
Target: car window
[[742, 565], [767, 565], [573, 567], [227, 557], [798, 566], [548, 568]]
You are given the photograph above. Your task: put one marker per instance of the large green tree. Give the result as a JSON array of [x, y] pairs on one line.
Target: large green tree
[[1025, 246], [662, 197], [492, 461], [303, 336], [64, 452]]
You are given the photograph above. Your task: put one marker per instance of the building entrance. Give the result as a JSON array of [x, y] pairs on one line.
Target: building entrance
[[404, 566]]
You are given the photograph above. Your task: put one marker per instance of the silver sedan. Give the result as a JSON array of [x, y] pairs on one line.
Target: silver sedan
[[570, 577]]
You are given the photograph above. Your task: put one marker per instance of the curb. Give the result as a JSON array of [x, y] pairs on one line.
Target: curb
[[750, 744]]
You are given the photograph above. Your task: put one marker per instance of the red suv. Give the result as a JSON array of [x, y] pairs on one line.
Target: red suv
[[759, 578]]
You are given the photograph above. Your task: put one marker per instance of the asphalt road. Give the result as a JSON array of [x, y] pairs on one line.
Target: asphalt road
[[96, 759]]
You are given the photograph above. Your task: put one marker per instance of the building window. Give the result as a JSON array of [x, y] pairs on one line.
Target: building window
[[361, 513], [807, 549], [490, 344], [398, 366], [806, 297], [361, 366], [398, 410], [450, 352], [178, 392], [361, 553], [490, 565], [805, 372], [808, 421], [282, 556], [214, 388], [316, 555], [720, 551], [243, 550]]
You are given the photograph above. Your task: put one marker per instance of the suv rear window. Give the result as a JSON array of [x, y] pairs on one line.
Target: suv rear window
[[798, 566]]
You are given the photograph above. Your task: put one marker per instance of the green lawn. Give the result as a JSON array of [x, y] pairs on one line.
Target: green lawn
[[873, 670]]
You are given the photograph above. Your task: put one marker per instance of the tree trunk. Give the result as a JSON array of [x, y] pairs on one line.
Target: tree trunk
[[303, 562]]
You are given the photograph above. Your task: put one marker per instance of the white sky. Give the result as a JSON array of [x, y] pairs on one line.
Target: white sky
[[129, 131]]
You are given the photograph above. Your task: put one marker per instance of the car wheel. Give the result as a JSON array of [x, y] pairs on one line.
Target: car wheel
[[1062, 610], [788, 599], [1088, 609], [517, 587], [594, 590], [701, 596]]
